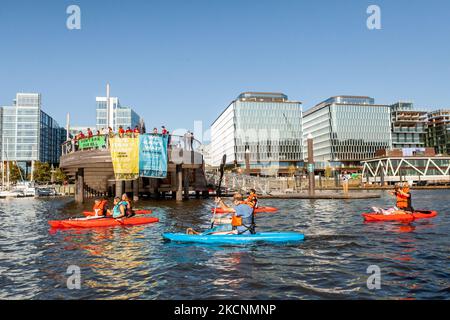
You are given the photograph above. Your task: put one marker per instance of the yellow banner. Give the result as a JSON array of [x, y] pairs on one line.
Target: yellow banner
[[125, 157]]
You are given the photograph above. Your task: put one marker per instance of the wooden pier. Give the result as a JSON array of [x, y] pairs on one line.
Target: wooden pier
[[92, 171]]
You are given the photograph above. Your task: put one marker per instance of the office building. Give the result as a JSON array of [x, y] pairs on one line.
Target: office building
[[29, 134], [265, 127], [346, 130], [110, 113], [438, 131], [408, 126]]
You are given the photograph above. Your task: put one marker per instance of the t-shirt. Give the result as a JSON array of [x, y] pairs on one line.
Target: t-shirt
[[116, 209], [245, 212]]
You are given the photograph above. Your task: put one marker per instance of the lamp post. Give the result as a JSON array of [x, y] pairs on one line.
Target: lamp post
[[247, 161], [312, 186]]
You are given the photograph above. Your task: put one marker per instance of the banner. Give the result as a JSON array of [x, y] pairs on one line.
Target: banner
[[96, 142], [125, 157], [153, 156]]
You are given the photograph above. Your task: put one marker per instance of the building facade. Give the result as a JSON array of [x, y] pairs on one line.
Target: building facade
[[438, 131], [110, 113], [347, 129], [265, 127], [408, 126], [28, 134]]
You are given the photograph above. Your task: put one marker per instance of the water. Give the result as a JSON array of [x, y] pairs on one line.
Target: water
[[134, 262]]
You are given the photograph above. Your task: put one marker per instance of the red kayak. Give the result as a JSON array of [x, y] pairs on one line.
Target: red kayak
[[257, 210], [101, 222], [422, 214], [91, 213]]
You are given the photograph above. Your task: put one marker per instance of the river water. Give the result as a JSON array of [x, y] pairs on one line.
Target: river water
[[135, 263]]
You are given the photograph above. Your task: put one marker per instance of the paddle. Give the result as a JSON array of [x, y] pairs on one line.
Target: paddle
[[218, 190]]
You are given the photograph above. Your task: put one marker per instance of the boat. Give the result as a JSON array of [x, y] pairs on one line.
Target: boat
[[257, 210], [91, 213], [419, 214], [268, 237], [101, 222]]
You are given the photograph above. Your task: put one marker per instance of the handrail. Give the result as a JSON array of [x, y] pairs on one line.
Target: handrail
[[175, 141]]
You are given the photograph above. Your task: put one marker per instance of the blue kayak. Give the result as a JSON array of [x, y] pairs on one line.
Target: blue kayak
[[236, 238]]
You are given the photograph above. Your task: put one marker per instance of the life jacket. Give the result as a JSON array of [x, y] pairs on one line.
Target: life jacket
[[402, 200], [236, 221], [101, 206], [251, 200]]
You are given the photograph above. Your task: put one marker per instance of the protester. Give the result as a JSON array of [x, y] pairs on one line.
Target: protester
[[121, 132], [164, 130]]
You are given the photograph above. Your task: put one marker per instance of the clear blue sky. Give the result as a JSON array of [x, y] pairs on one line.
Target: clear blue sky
[[180, 61]]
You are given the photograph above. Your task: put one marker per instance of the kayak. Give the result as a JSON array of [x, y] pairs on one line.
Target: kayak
[[101, 222], [91, 213], [273, 237], [372, 217], [422, 214], [257, 210]]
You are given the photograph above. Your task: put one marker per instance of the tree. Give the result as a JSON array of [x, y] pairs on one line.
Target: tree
[[60, 177], [42, 172], [15, 172]]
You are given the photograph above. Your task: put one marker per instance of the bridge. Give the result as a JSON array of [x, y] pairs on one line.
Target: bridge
[[93, 173]]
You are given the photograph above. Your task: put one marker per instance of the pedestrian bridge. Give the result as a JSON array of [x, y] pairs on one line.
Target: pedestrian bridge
[[92, 171]]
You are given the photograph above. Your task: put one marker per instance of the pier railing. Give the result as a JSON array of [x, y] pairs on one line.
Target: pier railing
[[176, 142]]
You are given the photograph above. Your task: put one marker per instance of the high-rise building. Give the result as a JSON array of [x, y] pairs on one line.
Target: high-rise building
[[408, 126], [438, 131], [29, 134], [347, 129], [265, 127], [110, 113]]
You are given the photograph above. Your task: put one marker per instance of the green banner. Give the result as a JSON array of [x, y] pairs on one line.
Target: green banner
[[96, 142]]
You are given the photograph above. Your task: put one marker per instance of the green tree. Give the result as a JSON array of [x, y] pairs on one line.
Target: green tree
[[60, 176], [15, 172], [42, 172]]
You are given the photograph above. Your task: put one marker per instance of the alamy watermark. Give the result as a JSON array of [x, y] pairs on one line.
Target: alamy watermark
[[374, 280], [74, 279], [73, 21], [374, 19]]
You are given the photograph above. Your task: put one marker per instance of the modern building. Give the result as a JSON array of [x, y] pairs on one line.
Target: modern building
[[346, 130], [438, 131], [110, 113], [29, 134], [408, 126], [265, 127]]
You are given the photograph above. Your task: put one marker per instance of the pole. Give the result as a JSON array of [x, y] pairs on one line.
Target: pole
[[247, 161], [312, 182], [68, 127]]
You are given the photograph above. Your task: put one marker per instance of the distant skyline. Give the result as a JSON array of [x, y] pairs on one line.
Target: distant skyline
[[175, 62]]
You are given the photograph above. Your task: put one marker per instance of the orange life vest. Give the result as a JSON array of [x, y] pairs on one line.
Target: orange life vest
[[101, 206], [236, 221], [251, 200], [402, 200]]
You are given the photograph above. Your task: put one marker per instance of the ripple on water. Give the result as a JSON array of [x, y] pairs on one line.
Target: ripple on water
[[134, 263]]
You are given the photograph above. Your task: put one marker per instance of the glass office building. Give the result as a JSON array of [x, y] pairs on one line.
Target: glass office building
[[347, 129], [29, 134], [267, 126], [438, 131], [408, 126], [120, 115]]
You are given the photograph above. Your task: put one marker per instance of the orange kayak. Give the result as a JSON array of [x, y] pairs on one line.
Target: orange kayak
[[420, 214], [101, 222], [257, 210], [91, 213]]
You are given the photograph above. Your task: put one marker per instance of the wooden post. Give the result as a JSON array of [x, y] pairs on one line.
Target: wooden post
[[119, 188], [79, 186], [136, 190], [186, 183], [179, 196], [311, 168]]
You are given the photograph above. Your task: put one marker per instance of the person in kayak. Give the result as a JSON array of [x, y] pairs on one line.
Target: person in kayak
[[120, 209], [252, 199], [242, 219], [129, 209], [100, 207], [403, 204]]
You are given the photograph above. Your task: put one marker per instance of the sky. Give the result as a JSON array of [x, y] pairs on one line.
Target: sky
[[176, 62]]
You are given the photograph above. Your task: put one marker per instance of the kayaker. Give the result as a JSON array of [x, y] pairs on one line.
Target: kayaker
[[242, 219], [252, 199], [120, 209], [129, 209], [100, 207], [407, 193]]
